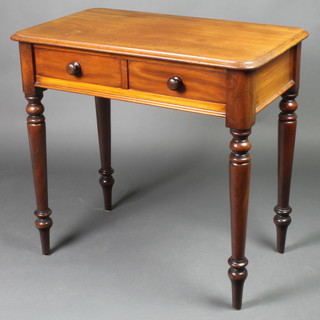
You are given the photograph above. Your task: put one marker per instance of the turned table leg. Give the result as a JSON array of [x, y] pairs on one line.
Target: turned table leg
[[239, 195], [286, 140], [37, 140], [104, 132]]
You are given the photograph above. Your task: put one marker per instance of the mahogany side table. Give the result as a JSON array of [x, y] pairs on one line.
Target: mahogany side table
[[214, 67]]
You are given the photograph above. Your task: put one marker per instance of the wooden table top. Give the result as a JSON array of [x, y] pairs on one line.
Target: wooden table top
[[229, 44]]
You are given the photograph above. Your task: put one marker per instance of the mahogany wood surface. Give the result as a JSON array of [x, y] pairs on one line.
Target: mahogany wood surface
[[273, 79], [111, 42], [153, 77], [204, 89], [93, 68], [152, 99], [221, 68], [187, 39]]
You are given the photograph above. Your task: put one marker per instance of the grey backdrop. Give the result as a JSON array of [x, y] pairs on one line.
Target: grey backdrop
[[162, 252]]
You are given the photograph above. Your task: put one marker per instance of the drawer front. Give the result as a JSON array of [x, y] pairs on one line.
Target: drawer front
[[87, 68], [197, 84]]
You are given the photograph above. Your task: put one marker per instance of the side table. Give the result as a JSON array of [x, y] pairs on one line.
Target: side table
[[214, 67]]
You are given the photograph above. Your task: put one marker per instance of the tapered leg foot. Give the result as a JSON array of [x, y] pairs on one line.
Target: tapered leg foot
[[239, 171], [106, 181], [237, 274], [282, 221], [286, 141], [104, 133], [43, 224]]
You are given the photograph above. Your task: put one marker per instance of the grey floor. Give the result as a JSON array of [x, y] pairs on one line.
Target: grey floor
[[162, 252]]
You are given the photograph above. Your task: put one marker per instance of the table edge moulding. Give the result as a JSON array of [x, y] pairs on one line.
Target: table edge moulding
[[214, 67]]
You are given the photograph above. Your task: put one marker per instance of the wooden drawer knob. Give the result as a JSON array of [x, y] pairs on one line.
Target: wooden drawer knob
[[73, 68], [174, 83]]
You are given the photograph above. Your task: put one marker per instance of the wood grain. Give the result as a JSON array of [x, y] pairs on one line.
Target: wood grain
[[273, 79], [27, 68], [296, 58], [196, 84], [241, 99], [236, 45], [95, 69], [203, 107]]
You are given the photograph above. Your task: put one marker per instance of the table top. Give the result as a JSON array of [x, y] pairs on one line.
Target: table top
[[229, 44]]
